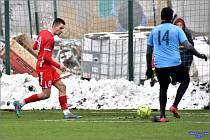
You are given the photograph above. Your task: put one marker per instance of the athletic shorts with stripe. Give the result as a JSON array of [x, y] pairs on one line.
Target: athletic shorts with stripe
[[48, 77]]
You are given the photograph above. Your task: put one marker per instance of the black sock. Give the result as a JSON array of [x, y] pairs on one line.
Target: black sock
[[178, 98], [180, 92], [163, 101]]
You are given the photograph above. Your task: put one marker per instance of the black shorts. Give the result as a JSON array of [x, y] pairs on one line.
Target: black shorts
[[178, 73]]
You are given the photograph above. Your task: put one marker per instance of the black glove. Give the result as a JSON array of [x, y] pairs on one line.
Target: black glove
[[203, 56], [149, 73]]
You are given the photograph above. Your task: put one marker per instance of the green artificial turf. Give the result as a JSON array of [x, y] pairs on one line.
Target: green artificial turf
[[102, 125]]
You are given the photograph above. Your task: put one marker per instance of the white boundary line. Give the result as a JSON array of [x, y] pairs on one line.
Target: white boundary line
[[115, 121]]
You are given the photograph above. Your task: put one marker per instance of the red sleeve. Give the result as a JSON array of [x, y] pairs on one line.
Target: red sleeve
[[35, 45], [47, 56]]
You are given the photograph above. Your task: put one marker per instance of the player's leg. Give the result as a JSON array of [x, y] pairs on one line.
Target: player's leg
[[164, 80], [181, 74], [62, 94], [63, 97], [45, 94], [33, 98], [45, 81]]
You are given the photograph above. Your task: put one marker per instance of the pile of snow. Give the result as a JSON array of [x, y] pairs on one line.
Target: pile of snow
[[102, 94]]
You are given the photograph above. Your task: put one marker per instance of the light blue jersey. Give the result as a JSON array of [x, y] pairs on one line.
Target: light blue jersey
[[165, 40]]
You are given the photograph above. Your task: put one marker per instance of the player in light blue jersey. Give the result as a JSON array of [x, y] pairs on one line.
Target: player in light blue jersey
[[164, 40]]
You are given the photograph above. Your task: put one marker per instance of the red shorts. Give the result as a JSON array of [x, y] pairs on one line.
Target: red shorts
[[48, 77]]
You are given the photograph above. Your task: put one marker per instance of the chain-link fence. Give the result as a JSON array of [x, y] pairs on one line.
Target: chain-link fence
[[100, 15]]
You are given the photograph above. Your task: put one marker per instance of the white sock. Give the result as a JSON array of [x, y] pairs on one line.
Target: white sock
[[66, 112]]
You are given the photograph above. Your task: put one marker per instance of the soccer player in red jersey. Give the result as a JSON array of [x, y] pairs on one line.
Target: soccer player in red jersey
[[45, 67]]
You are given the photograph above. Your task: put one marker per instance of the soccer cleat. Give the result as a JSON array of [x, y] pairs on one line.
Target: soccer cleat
[[163, 120], [17, 108], [158, 119], [175, 112], [71, 116]]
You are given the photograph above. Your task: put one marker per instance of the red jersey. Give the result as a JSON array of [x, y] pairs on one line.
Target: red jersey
[[45, 44]]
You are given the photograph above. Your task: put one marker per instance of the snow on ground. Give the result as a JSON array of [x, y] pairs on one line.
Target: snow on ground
[[102, 94]]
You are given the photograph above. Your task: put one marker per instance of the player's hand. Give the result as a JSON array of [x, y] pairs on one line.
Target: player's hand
[[203, 56], [62, 68], [149, 73]]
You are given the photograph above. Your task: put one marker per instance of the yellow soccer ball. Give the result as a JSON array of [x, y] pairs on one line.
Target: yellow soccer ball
[[143, 111]]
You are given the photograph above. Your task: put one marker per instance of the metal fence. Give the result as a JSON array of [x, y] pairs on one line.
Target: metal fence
[[30, 16]]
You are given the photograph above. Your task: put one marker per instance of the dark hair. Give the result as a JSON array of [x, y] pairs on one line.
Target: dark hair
[[167, 13], [58, 21]]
